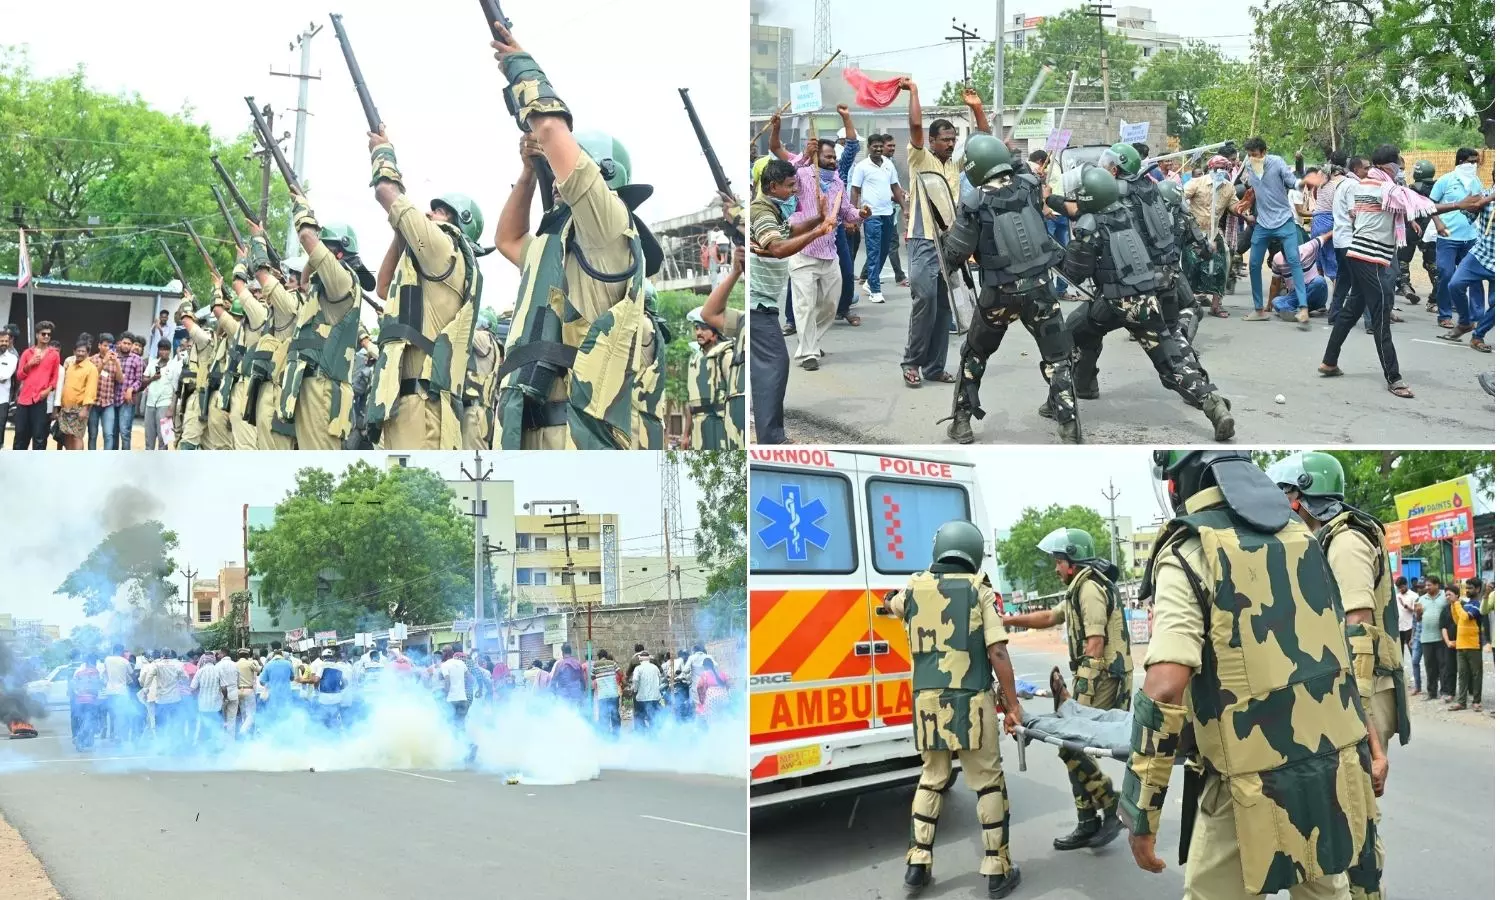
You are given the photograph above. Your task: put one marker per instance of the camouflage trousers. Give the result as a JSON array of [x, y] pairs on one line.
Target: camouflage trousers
[[1038, 312], [1365, 876], [1141, 317], [190, 435], [983, 774], [1213, 865], [1093, 792]]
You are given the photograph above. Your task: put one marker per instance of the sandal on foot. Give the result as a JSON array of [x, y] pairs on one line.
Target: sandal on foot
[[1059, 688], [1257, 316], [1400, 389], [1330, 371], [788, 330], [944, 378], [913, 377], [1480, 345], [852, 320]]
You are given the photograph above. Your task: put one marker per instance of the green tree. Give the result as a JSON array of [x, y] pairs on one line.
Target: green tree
[[673, 306], [1185, 79], [1023, 561], [218, 636], [720, 540], [97, 178], [1068, 41], [365, 549], [87, 638], [1373, 478], [1444, 53], [128, 574]]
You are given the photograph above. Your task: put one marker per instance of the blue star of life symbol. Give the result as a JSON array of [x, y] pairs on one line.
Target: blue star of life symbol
[[792, 522]]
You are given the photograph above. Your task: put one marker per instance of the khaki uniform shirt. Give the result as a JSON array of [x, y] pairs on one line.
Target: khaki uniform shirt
[[1178, 630], [340, 290], [1095, 605], [918, 161], [434, 250]]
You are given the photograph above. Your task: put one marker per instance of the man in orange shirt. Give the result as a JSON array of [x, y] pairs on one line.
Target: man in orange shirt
[[79, 391]]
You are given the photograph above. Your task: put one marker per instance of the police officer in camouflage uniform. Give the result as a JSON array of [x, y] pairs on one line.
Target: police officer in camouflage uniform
[[729, 322], [194, 377], [1190, 239], [1248, 656], [213, 404], [480, 382], [316, 403], [1354, 543], [273, 317], [1001, 223], [708, 385], [956, 638], [585, 360], [1099, 658], [431, 282], [1107, 248]]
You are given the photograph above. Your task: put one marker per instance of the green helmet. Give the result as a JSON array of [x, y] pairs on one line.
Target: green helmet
[[608, 154], [986, 156], [695, 316], [237, 309], [1184, 471], [298, 263], [1314, 474], [1423, 171], [650, 292], [464, 214], [1124, 156], [959, 541], [1097, 189], [1170, 191], [341, 236], [1072, 544], [488, 319]]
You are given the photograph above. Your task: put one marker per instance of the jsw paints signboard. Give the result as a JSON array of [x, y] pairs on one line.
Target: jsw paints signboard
[[1438, 512]]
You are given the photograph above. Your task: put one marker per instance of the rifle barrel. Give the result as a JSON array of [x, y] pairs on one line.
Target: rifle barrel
[[372, 115], [198, 242], [234, 192], [234, 230], [173, 260], [268, 140], [721, 180], [492, 14]]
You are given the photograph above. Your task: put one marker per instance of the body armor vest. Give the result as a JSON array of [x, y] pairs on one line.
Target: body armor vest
[[1274, 704], [322, 347], [734, 421], [937, 605], [708, 376], [614, 366], [1125, 265], [1116, 634], [1388, 673], [445, 352], [479, 380], [1153, 220], [217, 361], [237, 364], [1013, 241]]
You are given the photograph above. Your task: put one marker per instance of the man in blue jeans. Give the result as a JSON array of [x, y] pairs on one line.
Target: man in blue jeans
[[1057, 226], [874, 181], [1455, 245], [1271, 178], [848, 150], [1475, 271]]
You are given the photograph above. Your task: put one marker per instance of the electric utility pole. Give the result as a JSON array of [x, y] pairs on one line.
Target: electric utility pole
[[189, 574], [1114, 534], [999, 122], [566, 521], [478, 510], [1097, 11], [964, 35], [298, 154]]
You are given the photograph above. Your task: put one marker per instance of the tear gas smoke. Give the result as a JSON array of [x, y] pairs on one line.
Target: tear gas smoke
[[15, 703]]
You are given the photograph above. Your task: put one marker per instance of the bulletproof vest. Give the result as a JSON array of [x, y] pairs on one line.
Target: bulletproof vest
[[1389, 671], [945, 631], [1125, 265], [320, 346], [268, 358], [1116, 634], [734, 421], [479, 380], [708, 376], [1274, 702], [1013, 239], [1152, 219], [217, 363], [612, 368], [445, 352]]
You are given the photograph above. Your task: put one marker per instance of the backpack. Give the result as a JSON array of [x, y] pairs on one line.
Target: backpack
[[331, 681]]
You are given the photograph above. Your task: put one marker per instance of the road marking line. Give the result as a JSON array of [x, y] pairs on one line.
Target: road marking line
[[415, 775], [695, 825], [1436, 343], [81, 759]]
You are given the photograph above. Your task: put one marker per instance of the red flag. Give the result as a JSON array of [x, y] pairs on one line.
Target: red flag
[[23, 277], [872, 94]]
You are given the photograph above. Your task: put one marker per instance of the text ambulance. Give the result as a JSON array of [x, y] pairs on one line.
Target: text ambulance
[[831, 532]]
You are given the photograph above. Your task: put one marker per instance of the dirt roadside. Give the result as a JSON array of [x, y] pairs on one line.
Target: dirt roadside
[[21, 874]]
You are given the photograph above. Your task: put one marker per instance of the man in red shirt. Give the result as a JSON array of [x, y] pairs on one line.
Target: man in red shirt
[[37, 376]]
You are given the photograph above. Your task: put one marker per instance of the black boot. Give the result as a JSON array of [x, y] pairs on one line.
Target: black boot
[[1216, 408], [1002, 885], [1080, 836], [917, 877], [959, 429], [1111, 826]]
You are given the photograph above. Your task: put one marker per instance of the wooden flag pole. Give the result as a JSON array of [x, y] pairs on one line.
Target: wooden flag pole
[[788, 105]]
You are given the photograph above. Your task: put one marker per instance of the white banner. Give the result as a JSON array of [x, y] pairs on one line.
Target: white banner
[[807, 97], [1134, 134]]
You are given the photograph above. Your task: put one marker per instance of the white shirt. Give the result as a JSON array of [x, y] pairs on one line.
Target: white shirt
[[116, 675], [161, 391], [875, 183], [1404, 603], [1343, 212], [646, 681], [229, 674], [455, 673], [8, 362]]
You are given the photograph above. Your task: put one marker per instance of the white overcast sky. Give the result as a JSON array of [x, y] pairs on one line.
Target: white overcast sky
[[906, 37], [434, 79], [62, 504]]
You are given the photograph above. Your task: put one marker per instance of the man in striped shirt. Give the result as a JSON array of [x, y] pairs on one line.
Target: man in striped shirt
[[1476, 269], [1381, 208]]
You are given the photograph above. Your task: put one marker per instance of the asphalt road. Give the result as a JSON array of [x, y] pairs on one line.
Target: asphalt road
[[373, 833], [1438, 826], [857, 395]]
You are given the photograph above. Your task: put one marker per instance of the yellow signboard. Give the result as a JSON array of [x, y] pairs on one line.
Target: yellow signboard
[[1445, 496]]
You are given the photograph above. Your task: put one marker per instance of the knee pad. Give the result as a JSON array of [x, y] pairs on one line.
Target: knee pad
[[1053, 338]]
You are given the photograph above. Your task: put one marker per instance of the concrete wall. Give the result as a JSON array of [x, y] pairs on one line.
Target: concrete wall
[[618, 629]]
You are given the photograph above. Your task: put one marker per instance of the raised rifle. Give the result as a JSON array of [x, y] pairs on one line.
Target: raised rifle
[[234, 192], [372, 116], [175, 266], [198, 242], [721, 181], [544, 177], [268, 141], [234, 230]]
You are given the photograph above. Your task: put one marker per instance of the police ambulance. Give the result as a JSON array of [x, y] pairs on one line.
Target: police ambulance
[[831, 532]]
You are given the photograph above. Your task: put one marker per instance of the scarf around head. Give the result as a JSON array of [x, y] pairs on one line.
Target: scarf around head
[[1402, 202]]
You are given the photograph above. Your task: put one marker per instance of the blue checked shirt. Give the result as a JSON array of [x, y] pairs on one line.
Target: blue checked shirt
[[1483, 250]]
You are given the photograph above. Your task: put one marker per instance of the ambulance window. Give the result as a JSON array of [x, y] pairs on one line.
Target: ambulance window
[[904, 515], [801, 523]]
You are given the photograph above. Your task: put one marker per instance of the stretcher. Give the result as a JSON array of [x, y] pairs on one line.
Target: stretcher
[[1093, 732]]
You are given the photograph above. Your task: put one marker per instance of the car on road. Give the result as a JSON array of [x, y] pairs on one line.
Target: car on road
[[52, 691]]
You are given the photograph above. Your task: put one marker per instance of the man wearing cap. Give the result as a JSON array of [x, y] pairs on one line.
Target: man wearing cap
[[316, 397], [582, 307], [708, 380], [208, 424], [236, 390], [479, 384], [273, 315], [194, 375]]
